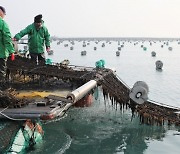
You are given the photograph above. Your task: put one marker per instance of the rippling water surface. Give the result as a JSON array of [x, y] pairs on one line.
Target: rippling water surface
[[103, 129]]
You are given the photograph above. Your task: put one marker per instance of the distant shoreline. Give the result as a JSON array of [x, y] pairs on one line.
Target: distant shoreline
[[113, 38], [55, 38]]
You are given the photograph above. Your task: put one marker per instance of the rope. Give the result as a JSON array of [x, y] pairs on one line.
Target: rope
[[8, 116], [165, 105], [4, 109], [37, 68], [122, 81]]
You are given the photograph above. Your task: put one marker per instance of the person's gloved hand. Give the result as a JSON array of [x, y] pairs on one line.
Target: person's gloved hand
[[48, 49], [12, 57]]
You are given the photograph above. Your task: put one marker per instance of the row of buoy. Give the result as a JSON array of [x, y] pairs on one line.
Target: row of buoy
[[119, 48], [117, 40]]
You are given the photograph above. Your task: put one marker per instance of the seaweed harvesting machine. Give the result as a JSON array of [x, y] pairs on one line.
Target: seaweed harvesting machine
[[22, 74]]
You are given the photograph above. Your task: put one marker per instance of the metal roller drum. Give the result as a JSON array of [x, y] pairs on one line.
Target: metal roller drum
[[81, 91], [139, 92]]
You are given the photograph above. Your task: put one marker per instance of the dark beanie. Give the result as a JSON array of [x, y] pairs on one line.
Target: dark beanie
[[3, 9], [38, 18]]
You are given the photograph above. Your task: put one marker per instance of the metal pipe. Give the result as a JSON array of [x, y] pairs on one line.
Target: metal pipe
[[81, 91]]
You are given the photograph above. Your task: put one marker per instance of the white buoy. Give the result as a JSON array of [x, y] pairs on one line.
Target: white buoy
[[119, 48], [103, 45], [83, 53], [153, 53], [170, 48], [139, 92], [159, 64], [117, 53]]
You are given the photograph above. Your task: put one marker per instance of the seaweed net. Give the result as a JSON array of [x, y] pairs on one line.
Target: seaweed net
[[8, 99], [112, 86], [149, 113]]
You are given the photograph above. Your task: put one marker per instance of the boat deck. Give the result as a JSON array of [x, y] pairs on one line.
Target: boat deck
[[47, 109]]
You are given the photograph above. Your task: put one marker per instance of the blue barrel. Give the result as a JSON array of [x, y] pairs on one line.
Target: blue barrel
[[98, 64], [103, 62], [144, 48], [48, 61]]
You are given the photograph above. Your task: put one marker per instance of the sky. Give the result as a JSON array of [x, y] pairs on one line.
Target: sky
[[97, 18]]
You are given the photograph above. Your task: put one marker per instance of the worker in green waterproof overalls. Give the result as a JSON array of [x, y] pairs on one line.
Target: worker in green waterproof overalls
[[6, 46], [38, 37]]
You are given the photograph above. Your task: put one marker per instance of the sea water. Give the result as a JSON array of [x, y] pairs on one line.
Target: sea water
[[101, 128]]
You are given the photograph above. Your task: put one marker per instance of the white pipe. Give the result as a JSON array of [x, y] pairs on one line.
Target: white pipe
[[81, 91]]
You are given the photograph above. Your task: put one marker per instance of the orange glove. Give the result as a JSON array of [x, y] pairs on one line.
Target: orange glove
[[12, 57]]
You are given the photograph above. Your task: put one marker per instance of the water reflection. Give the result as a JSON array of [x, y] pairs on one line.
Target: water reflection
[[102, 129], [96, 130]]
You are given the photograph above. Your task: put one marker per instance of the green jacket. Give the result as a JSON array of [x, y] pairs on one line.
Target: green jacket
[[6, 45], [36, 38]]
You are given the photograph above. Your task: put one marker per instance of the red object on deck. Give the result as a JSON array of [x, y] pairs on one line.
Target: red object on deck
[[12, 57], [85, 101], [47, 117]]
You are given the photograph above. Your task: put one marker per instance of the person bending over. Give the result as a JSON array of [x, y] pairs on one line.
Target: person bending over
[[38, 37]]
